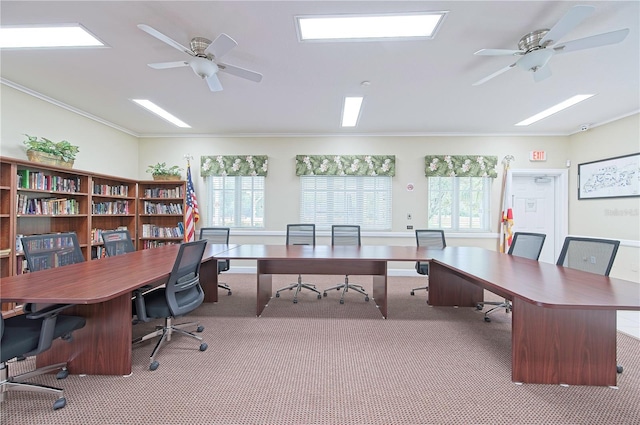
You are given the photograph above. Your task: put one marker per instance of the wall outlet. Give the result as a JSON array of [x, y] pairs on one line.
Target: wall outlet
[[592, 260]]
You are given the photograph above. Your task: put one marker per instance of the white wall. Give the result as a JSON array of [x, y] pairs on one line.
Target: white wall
[[102, 149]]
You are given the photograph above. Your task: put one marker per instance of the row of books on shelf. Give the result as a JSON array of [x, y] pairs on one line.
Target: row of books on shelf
[[153, 208], [46, 206], [153, 231], [96, 234], [155, 244], [161, 192], [111, 207], [109, 190], [29, 179]]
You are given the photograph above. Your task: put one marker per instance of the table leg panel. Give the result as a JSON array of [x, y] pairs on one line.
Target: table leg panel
[[380, 293], [265, 291], [563, 346], [209, 280], [103, 346], [447, 288]]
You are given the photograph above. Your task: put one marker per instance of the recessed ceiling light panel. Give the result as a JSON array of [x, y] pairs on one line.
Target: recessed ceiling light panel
[[152, 107], [369, 27], [555, 109], [52, 36], [351, 111]]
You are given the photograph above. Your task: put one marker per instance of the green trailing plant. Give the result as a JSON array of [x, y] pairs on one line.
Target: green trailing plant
[[161, 169], [63, 149]]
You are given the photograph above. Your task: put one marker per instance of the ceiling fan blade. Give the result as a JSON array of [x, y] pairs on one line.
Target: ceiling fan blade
[[157, 34], [495, 74], [569, 21], [240, 72], [214, 82], [598, 40], [221, 46], [542, 73], [498, 52], [166, 65]]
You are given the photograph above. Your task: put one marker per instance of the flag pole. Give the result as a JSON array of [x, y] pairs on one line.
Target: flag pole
[[504, 225]]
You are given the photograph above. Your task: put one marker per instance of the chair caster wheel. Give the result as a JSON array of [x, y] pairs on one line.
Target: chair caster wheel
[[479, 306], [200, 328], [487, 319], [154, 365], [228, 293], [295, 301], [413, 293], [366, 298], [277, 295], [203, 346], [341, 301], [325, 294], [59, 403], [319, 296], [62, 374], [619, 369]]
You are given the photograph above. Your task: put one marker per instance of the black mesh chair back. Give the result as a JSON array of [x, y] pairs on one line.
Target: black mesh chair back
[[301, 234], [51, 250], [588, 254], [117, 242], [345, 234], [183, 290], [430, 239], [217, 235], [527, 245]]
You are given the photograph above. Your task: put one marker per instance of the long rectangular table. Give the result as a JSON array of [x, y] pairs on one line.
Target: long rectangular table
[[564, 320], [101, 291]]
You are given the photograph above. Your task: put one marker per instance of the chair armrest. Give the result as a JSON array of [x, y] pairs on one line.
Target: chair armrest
[[49, 315], [141, 307]]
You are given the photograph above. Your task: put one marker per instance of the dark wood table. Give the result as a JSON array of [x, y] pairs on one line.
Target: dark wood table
[[101, 291], [564, 320]]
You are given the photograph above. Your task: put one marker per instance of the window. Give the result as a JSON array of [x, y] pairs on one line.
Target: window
[[235, 201], [459, 203], [361, 200]]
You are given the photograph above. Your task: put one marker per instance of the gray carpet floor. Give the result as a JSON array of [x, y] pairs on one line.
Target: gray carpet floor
[[320, 362]]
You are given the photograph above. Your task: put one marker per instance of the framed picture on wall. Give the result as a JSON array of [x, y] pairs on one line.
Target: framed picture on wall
[[617, 177]]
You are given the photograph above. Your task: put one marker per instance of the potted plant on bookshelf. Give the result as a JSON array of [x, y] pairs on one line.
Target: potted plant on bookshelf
[[161, 171], [45, 151]]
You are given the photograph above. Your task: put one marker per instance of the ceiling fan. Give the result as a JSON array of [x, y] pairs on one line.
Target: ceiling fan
[[537, 47], [205, 57]]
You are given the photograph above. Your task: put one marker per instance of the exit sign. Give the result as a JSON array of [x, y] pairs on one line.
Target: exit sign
[[537, 156]]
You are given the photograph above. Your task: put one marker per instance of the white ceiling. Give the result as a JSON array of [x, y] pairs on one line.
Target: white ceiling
[[417, 87]]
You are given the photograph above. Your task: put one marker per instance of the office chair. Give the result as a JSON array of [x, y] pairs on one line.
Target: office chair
[[527, 245], [300, 234], [346, 235], [181, 295], [51, 250], [430, 239], [117, 242], [589, 255], [218, 235], [31, 334]]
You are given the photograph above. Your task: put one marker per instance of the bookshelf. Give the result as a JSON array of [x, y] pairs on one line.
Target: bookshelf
[[161, 207], [113, 206]]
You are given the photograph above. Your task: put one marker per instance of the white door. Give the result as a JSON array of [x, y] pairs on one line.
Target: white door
[[535, 209]]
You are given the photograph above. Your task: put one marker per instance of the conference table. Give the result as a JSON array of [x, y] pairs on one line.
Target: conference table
[[564, 320]]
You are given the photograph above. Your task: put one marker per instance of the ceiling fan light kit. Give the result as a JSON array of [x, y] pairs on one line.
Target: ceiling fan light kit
[[538, 47]]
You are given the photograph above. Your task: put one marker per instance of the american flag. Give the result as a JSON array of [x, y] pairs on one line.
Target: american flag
[[193, 215]]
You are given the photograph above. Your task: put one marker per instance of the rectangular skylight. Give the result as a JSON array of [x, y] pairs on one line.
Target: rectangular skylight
[[67, 35], [351, 111], [149, 105], [369, 27], [555, 109]]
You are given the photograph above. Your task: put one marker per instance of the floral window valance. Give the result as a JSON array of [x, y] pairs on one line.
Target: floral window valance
[[233, 165], [460, 166], [346, 165]]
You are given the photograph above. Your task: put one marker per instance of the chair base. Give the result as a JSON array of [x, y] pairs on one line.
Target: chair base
[[506, 304], [165, 332], [298, 286], [225, 287], [345, 288], [17, 383], [422, 288]]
